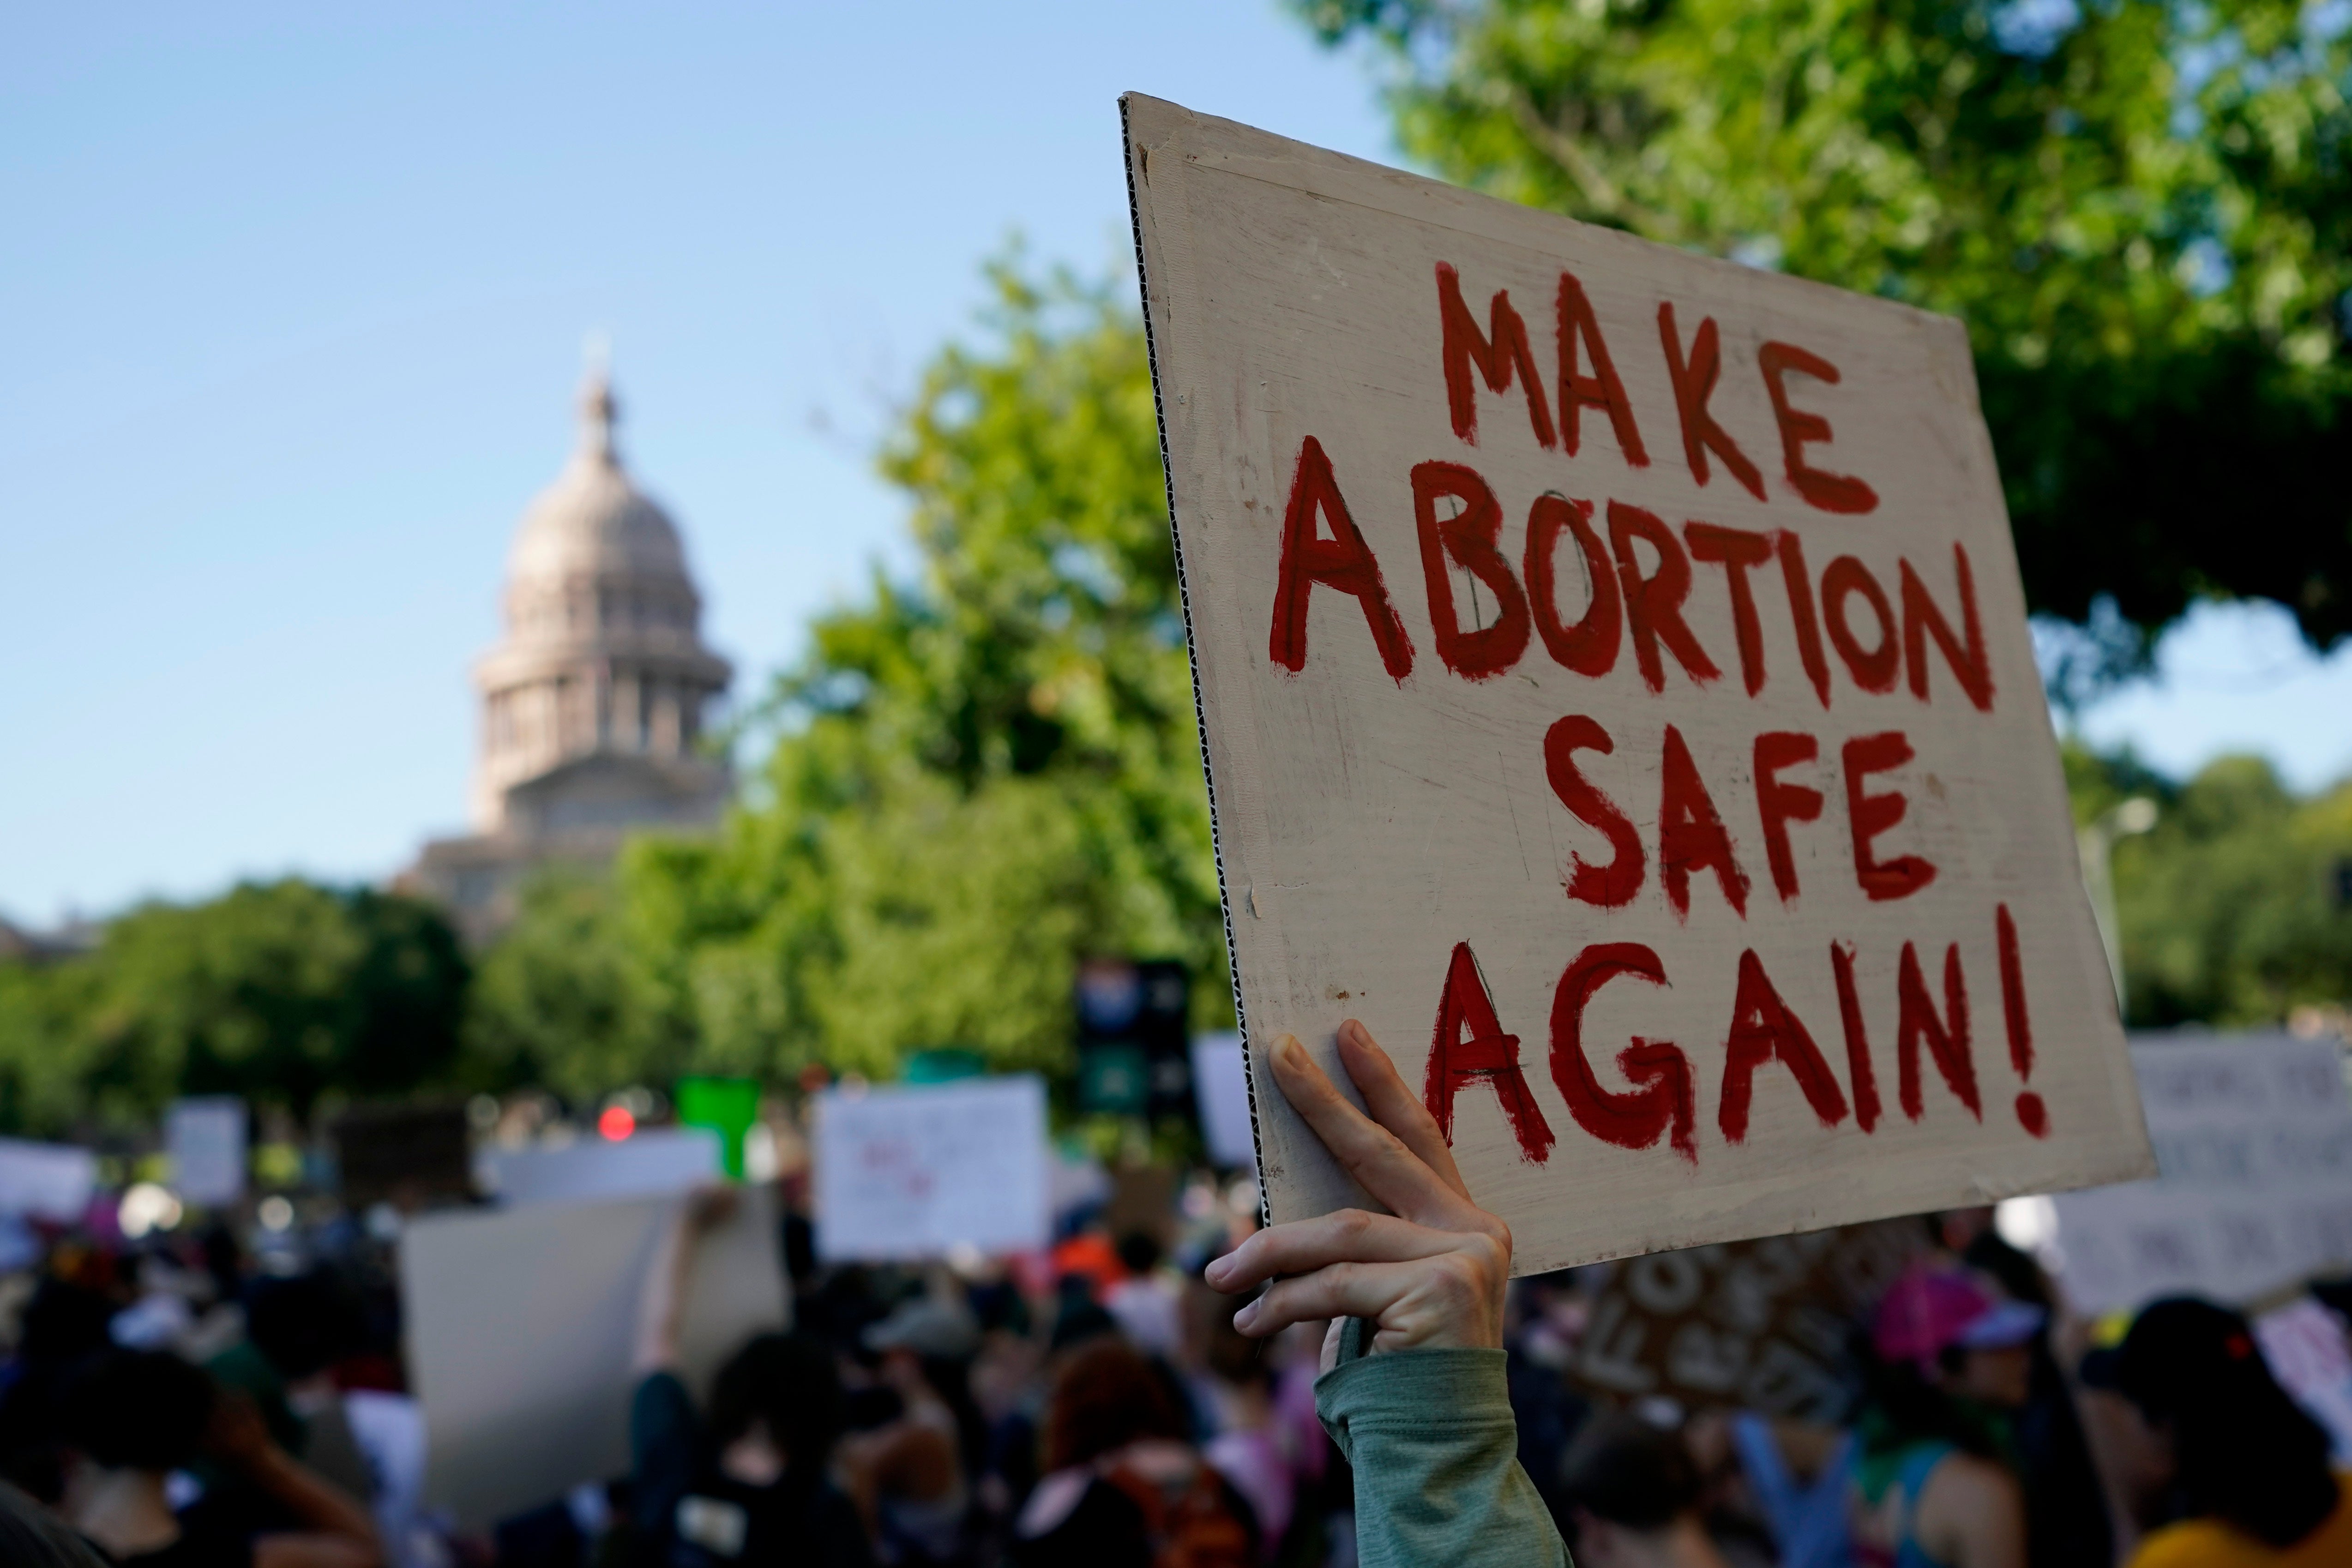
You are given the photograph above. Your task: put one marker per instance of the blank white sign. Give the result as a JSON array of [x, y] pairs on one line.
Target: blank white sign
[[206, 1138], [47, 1181], [520, 1327], [647, 1163], [912, 1172]]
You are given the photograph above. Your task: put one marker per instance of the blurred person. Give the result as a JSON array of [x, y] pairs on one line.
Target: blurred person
[[1934, 1485], [749, 1481], [1243, 1436], [63, 1325], [1413, 1391], [1788, 1483], [910, 1475], [1124, 1487], [1633, 1494], [130, 1419], [2249, 1469], [1148, 1309]]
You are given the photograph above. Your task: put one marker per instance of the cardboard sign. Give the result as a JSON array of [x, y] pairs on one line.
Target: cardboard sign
[[911, 1173], [1756, 1325], [1616, 693], [46, 1181], [522, 1324], [2253, 1136], [206, 1138], [647, 1164]]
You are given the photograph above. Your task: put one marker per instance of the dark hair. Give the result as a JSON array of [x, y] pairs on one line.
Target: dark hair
[[2243, 1450], [1629, 1472], [137, 1409], [304, 1324], [1901, 1405], [1106, 1396], [789, 1383], [1139, 1252]]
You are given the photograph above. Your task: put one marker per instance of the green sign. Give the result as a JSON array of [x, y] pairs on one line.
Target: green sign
[[728, 1106]]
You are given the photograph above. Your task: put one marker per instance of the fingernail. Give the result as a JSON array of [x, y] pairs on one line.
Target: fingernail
[[1247, 1315], [1217, 1269], [1286, 1051]]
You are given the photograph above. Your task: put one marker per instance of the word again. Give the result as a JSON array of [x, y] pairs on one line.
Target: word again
[[1468, 1046]]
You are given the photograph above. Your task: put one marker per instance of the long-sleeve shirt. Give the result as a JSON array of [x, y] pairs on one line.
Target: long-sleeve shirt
[[1434, 1445]]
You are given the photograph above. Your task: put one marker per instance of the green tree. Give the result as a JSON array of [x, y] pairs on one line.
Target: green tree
[[561, 999], [980, 777], [278, 991], [2141, 209], [2229, 910]]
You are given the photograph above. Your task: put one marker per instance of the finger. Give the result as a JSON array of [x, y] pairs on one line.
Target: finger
[[1376, 1158], [1393, 1106], [1343, 1236], [1340, 1290]]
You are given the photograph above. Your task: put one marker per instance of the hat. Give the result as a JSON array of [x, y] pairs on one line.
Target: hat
[[1926, 1312], [2177, 1347], [927, 1327]]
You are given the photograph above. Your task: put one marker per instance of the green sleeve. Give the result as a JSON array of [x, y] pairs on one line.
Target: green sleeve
[[1434, 1449]]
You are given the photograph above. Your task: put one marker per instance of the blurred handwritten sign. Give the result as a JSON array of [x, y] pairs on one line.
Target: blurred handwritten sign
[[2253, 1141], [914, 1172], [1617, 694], [1761, 1325]]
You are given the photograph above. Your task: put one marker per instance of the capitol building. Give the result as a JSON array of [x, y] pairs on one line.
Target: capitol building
[[593, 706]]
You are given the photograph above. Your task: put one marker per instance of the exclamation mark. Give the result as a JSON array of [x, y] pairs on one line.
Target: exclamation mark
[[2032, 1113]]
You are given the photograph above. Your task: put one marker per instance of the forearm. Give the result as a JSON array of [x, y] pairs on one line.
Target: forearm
[[318, 1503], [1434, 1445]]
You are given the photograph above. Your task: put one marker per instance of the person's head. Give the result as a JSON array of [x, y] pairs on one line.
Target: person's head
[[1138, 1252], [2239, 1449], [136, 1410], [1631, 1488], [1959, 1337], [303, 1324], [1106, 1396], [777, 1402]]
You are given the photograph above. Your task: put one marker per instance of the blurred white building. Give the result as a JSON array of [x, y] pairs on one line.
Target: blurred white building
[[593, 706]]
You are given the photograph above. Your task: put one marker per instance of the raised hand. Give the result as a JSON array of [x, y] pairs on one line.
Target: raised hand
[[1429, 1274]]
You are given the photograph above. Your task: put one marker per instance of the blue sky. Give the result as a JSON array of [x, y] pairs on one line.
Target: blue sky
[[292, 300]]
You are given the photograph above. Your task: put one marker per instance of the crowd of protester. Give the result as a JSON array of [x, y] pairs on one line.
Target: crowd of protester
[[184, 1402]]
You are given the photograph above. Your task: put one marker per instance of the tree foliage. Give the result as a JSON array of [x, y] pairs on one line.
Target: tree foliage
[[2231, 911], [277, 991], [2141, 209], [980, 777]]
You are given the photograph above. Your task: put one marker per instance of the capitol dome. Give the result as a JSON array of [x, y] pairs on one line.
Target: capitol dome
[[593, 518], [602, 657]]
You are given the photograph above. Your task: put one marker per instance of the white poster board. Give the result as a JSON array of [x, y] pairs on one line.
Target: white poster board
[[1221, 1090], [914, 1171], [2253, 1136], [46, 1181], [520, 1325], [648, 1162], [206, 1138], [1613, 668]]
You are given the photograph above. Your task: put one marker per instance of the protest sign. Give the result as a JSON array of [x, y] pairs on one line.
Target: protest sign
[[1616, 693], [1221, 1084], [522, 1324], [2254, 1138], [206, 1138], [46, 1181], [1758, 1325], [728, 1106], [911, 1172], [647, 1164]]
